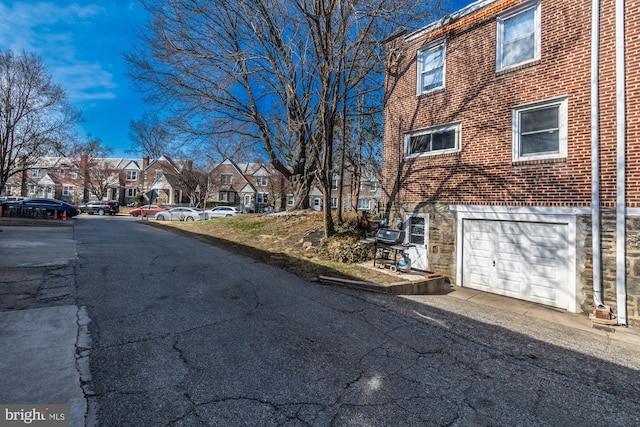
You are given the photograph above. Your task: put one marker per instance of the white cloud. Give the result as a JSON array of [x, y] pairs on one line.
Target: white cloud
[[66, 37]]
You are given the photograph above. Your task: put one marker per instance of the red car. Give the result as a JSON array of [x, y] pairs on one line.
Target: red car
[[148, 210]]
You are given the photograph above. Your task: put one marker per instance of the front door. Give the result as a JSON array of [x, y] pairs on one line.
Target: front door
[[416, 227]]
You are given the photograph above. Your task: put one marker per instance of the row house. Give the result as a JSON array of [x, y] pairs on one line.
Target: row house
[[510, 153], [78, 180], [252, 187]]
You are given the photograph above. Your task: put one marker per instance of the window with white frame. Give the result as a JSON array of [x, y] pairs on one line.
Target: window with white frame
[[290, 199], [226, 179], [74, 175], [334, 202], [132, 175], [31, 188], [436, 140], [518, 38], [373, 185], [67, 190], [131, 192], [159, 174], [540, 130], [430, 65], [6, 190], [334, 183], [35, 173], [364, 204], [261, 181]]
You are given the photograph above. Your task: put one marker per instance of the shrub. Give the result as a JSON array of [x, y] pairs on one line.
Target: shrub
[[346, 249]]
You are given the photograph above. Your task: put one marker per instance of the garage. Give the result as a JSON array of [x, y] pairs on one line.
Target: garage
[[519, 259]]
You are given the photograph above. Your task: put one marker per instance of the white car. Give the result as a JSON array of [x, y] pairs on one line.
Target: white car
[[181, 214], [222, 212]]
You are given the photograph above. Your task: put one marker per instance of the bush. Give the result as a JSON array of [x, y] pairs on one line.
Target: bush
[[345, 249]]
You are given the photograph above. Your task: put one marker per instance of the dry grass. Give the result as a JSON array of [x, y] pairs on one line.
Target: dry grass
[[287, 240]]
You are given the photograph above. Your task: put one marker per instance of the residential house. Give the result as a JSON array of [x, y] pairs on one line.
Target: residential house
[[509, 150], [252, 187], [161, 180]]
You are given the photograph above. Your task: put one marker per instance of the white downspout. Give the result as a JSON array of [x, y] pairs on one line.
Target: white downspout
[[595, 155], [621, 206]]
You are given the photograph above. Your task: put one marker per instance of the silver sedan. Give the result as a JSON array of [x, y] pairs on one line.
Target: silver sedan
[[181, 214]]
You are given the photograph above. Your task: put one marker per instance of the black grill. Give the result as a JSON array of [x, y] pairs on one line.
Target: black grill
[[388, 245], [386, 236]]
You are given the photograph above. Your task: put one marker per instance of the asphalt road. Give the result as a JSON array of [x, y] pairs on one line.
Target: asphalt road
[[186, 334]]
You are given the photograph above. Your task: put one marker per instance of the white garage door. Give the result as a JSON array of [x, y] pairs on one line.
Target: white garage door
[[524, 260]]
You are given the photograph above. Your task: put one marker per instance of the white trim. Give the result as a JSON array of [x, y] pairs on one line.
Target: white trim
[[517, 214], [633, 212], [456, 127]]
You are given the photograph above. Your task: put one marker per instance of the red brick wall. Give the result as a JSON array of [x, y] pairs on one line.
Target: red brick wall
[[482, 100]]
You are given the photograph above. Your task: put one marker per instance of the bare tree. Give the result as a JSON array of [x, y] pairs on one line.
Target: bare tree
[[151, 136], [35, 117], [99, 174], [195, 183], [274, 71]]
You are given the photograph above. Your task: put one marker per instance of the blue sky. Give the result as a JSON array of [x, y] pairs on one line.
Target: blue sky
[[81, 43]]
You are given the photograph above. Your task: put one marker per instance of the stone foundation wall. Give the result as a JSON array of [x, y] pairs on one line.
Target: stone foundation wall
[[608, 244]]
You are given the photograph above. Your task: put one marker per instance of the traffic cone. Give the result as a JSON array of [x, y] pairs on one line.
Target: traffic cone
[[64, 215]]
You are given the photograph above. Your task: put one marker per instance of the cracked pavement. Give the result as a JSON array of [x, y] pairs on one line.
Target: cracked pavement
[[163, 330], [186, 334]]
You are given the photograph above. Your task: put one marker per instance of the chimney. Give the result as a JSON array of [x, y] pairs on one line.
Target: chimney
[[145, 162]]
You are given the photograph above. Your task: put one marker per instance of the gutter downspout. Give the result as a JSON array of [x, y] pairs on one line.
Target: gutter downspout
[[595, 155], [621, 206]]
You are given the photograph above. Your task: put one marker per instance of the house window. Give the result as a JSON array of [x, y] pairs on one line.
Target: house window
[[262, 198], [540, 131], [158, 174], [518, 38], [226, 179], [290, 199], [364, 204], [132, 175], [334, 183], [35, 173], [334, 202], [74, 175], [67, 190], [61, 172], [433, 141], [261, 181], [32, 189], [6, 190], [416, 230], [373, 186], [131, 192], [227, 196], [430, 67]]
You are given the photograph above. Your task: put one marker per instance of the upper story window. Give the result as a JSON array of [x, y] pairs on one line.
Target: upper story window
[[430, 67], [518, 38], [132, 175], [226, 179], [35, 173], [290, 200], [159, 174], [373, 185], [540, 131], [437, 140], [334, 182], [73, 175], [261, 181]]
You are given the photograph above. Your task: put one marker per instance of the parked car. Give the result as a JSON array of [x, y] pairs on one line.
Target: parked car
[[222, 211], [181, 214], [148, 210], [100, 208], [48, 205], [11, 198]]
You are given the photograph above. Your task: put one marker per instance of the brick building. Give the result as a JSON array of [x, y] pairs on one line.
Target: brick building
[[507, 156]]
